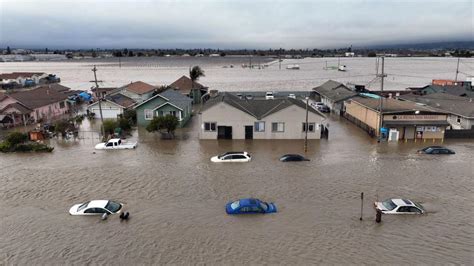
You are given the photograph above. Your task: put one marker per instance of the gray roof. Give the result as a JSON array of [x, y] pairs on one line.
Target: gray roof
[[176, 98], [334, 91], [450, 89], [391, 105], [257, 108], [457, 105]]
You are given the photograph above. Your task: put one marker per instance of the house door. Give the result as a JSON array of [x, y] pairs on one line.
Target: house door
[[248, 132], [224, 132]]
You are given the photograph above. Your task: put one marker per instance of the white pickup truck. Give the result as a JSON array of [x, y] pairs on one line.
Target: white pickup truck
[[115, 144]]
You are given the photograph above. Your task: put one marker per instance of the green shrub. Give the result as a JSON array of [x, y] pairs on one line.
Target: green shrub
[[168, 123], [110, 125], [130, 115], [5, 146], [15, 138]]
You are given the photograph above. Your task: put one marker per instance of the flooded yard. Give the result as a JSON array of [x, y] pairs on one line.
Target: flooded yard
[[176, 198]]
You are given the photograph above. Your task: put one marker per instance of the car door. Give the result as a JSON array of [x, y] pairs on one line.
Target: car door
[[109, 145], [415, 210], [227, 158], [403, 210], [238, 158]]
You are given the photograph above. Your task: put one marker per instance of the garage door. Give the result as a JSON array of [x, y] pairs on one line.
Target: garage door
[[107, 112]]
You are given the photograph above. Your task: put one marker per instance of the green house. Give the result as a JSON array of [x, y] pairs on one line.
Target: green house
[[169, 102]]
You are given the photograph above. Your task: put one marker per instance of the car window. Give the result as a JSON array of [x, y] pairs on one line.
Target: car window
[[238, 157], [110, 144], [256, 209], [227, 157], [234, 205], [264, 206], [415, 210], [389, 205], [245, 209], [80, 208], [436, 151], [90, 210], [113, 206], [403, 209]]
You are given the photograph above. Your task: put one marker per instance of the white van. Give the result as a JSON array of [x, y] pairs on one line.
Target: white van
[[269, 95]]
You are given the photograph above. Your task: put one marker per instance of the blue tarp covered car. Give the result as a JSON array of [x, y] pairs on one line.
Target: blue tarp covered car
[[85, 96], [249, 205]]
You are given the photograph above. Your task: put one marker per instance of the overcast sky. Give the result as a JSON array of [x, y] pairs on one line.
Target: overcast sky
[[231, 24]]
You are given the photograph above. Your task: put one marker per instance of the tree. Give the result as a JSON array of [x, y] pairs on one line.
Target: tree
[[168, 123], [195, 73], [9, 51], [371, 54]]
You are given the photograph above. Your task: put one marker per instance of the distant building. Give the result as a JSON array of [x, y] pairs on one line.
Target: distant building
[[226, 116], [460, 109], [333, 94], [349, 54], [403, 119], [21, 79], [139, 91], [456, 90]]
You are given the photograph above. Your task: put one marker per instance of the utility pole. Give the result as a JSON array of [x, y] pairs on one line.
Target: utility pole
[[306, 128], [120, 62], [382, 76], [457, 71], [279, 59], [100, 100], [250, 61]]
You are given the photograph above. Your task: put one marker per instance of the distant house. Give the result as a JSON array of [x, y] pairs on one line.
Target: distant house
[[333, 94], [42, 103], [186, 87], [112, 106], [138, 91], [226, 116], [460, 109], [21, 79], [168, 102]]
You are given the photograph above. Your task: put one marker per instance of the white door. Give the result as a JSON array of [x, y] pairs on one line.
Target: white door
[[107, 112]]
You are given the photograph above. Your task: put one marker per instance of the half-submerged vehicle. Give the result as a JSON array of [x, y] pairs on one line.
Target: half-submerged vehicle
[[399, 206], [436, 150], [96, 207], [293, 158], [249, 206], [115, 144], [232, 157]]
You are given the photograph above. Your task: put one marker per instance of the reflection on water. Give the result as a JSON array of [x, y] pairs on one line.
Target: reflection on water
[[176, 198]]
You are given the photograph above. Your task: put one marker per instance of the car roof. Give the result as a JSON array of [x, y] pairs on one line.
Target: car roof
[[248, 202], [403, 202], [114, 139], [293, 155], [234, 152], [97, 204]]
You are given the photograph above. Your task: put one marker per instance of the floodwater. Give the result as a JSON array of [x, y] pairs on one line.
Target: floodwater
[[401, 72], [176, 198]]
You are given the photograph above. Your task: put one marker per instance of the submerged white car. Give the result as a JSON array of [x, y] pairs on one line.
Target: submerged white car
[[96, 207], [399, 206], [115, 144], [232, 157]]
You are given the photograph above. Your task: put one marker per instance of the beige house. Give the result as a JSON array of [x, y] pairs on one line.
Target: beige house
[[226, 116], [402, 119]]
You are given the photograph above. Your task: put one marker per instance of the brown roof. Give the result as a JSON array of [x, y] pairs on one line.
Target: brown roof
[[139, 87], [390, 105], [121, 100], [15, 75], [21, 108], [38, 97], [56, 87], [185, 85]]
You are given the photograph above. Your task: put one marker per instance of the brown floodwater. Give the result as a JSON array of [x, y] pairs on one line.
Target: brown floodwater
[[176, 198]]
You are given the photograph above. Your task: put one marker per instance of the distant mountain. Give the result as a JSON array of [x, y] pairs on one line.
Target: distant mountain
[[428, 46]]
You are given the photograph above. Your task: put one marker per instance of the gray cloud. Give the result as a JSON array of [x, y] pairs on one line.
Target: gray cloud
[[230, 24]]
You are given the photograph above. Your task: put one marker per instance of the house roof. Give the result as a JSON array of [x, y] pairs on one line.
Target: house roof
[[57, 87], [2, 96], [139, 87], [257, 108], [170, 95], [21, 108], [103, 89], [15, 75], [450, 103], [456, 90], [185, 85], [390, 105], [334, 91], [121, 100], [38, 97]]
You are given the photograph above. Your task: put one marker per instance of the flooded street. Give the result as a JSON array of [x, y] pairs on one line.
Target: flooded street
[[176, 198]]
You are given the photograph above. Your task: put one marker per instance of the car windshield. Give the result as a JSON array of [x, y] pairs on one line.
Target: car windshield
[[429, 149], [389, 205], [84, 205], [264, 206], [234, 205], [113, 206]]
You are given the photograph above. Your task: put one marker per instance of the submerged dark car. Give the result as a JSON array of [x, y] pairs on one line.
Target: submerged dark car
[[293, 158], [436, 150]]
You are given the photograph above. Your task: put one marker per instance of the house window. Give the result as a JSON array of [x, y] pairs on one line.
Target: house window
[[278, 127], [148, 114], [259, 126], [311, 127], [458, 119], [61, 105], [160, 113], [210, 126], [173, 113]]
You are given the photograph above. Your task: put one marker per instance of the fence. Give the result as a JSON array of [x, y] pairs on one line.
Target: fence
[[459, 133]]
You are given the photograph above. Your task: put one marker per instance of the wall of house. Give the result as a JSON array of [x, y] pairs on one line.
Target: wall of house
[[50, 111], [364, 114], [293, 117], [109, 110], [6, 102], [465, 123], [168, 108], [152, 104]]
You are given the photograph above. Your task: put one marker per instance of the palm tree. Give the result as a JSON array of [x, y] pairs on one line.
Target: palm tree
[[195, 73]]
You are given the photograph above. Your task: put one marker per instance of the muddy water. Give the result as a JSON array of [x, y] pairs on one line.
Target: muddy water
[[176, 198]]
